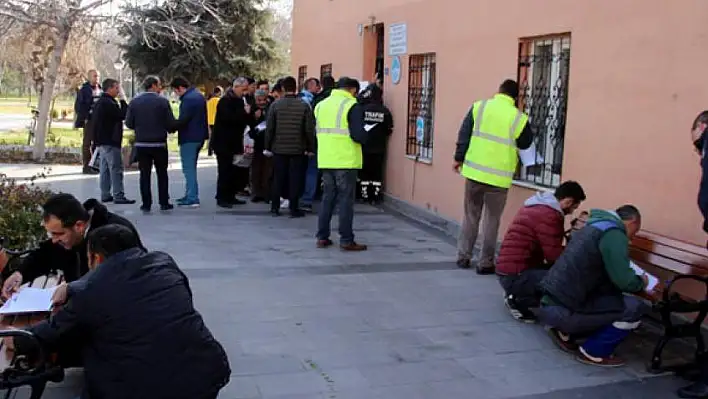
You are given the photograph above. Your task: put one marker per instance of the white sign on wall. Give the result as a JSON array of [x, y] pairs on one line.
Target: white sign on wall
[[397, 39]]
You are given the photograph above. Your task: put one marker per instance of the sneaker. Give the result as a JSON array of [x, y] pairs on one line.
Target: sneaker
[[275, 212], [224, 204], [188, 204], [326, 243], [518, 312], [284, 203], [90, 171], [107, 199], [563, 341], [485, 271], [167, 207], [123, 201], [353, 247], [145, 208], [608, 362], [463, 263]]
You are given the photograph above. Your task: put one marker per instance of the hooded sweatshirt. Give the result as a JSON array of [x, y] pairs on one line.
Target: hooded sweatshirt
[[534, 238]]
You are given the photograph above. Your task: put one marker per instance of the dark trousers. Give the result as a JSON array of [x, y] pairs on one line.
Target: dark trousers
[[241, 178], [261, 175], [226, 175], [289, 175], [86, 143], [524, 287], [370, 185], [147, 157]]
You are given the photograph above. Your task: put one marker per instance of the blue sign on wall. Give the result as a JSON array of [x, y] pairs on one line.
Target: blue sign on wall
[[396, 70], [419, 129]]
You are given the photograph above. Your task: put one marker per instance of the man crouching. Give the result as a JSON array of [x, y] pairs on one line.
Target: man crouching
[[584, 290]]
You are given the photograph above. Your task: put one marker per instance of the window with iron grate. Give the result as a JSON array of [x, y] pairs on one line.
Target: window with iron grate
[[301, 76], [421, 106], [325, 70], [543, 72]]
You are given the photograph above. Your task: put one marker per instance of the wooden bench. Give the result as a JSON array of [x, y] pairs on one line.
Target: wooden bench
[[683, 269], [15, 370]]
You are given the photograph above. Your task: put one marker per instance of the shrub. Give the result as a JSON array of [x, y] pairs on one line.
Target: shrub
[[20, 212], [54, 114]]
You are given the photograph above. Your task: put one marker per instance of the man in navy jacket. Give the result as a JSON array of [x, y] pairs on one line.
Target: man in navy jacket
[[193, 130], [87, 95]]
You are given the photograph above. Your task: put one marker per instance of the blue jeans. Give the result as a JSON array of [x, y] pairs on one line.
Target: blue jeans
[[311, 176], [110, 172], [339, 190], [189, 152]]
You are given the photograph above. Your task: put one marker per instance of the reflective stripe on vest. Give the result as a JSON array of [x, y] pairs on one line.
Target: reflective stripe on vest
[[335, 147], [511, 141], [338, 129]]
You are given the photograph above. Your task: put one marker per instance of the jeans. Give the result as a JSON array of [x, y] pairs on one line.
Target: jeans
[[111, 172], [288, 178], [524, 287], [311, 178], [339, 190], [480, 197], [147, 157], [189, 153]]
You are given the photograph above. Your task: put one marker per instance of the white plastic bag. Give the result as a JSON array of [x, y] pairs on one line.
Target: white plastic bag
[[244, 160]]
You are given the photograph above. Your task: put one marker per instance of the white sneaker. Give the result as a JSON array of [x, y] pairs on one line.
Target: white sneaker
[[284, 204]]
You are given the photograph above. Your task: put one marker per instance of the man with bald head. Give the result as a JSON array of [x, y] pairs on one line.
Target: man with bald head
[[87, 95]]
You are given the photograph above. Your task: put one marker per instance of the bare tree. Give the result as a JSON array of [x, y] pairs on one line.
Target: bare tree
[[61, 18]]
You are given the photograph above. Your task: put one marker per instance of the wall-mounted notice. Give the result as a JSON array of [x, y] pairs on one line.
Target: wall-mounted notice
[[397, 39]]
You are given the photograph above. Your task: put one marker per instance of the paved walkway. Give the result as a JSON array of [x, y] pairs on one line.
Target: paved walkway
[[397, 321]]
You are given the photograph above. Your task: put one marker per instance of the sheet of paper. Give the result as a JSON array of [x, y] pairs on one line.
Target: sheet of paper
[[653, 281], [530, 156], [261, 126], [29, 300]]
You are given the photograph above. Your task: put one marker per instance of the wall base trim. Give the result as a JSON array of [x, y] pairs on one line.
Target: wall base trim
[[448, 227]]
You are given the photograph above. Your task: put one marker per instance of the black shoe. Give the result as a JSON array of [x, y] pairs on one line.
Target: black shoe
[[306, 208], [484, 270], [256, 200], [224, 204], [297, 214], [520, 313], [237, 201], [89, 171], [124, 201], [694, 391], [275, 212], [145, 208], [107, 199], [167, 207], [463, 263]]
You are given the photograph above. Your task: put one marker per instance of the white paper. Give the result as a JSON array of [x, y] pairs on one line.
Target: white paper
[[653, 281], [261, 126], [530, 156], [29, 300]]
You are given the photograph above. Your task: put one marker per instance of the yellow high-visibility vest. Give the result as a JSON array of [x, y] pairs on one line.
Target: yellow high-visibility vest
[[491, 157], [335, 148]]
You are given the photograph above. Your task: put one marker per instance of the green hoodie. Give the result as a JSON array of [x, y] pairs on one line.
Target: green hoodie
[[614, 247]]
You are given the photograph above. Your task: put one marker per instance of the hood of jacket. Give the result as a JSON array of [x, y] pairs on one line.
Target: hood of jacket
[[601, 215], [372, 94], [545, 199], [98, 211]]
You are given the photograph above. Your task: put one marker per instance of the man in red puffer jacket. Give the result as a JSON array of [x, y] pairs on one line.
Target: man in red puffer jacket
[[532, 243]]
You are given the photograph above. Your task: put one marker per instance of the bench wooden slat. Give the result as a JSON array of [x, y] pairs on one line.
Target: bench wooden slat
[[697, 262], [681, 245]]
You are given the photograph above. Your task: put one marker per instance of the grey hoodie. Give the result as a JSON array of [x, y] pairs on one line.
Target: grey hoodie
[[544, 198]]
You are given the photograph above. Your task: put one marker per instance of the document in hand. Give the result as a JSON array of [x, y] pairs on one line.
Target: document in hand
[[29, 300], [653, 281]]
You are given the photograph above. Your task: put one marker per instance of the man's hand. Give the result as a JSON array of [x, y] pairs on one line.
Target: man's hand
[[11, 285], [267, 153], [247, 107], [456, 166], [645, 279], [61, 294]]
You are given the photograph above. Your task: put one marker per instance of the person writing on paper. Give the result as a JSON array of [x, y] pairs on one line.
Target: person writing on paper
[[532, 243], [584, 290], [141, 335], [232, 117], [67, 222], [486, 156]]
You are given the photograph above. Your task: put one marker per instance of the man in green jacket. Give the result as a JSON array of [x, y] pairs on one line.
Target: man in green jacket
[[584, 290]]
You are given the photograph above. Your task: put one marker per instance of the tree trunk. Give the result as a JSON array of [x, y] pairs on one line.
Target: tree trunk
[[45, 98]]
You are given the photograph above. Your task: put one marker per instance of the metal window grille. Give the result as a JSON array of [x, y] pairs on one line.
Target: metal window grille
[[325, 70], [543, 72], [421, 106], [301, 76]]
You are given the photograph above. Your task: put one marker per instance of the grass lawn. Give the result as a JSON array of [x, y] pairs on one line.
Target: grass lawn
[[22, 106], [63, 137]]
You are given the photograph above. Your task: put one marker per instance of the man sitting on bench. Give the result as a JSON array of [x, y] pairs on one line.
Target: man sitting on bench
[[583, 291], [142, 336], [67, 222], [532, 243]]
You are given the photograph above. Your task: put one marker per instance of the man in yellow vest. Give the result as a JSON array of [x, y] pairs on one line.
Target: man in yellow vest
[[487, 156], [340, 134]]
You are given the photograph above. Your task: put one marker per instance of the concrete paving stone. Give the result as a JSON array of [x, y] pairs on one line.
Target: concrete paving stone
[[303, 383], [240, 388], [409, 373], [249, 365]]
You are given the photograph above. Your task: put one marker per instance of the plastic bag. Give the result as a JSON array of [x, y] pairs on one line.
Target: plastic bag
[[244, 160]]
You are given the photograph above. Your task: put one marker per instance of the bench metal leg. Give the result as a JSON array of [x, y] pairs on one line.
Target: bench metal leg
[[38, 390], [655, 366]]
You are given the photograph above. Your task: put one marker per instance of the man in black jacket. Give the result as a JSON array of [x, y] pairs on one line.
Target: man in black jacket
[[378, 122], [108, 116], [67, 222], [142, 336], [87, 95], [150, 115], [232, 117], [290, 136]]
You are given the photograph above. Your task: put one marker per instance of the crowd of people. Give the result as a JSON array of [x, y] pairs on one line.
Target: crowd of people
[[264, 139]]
